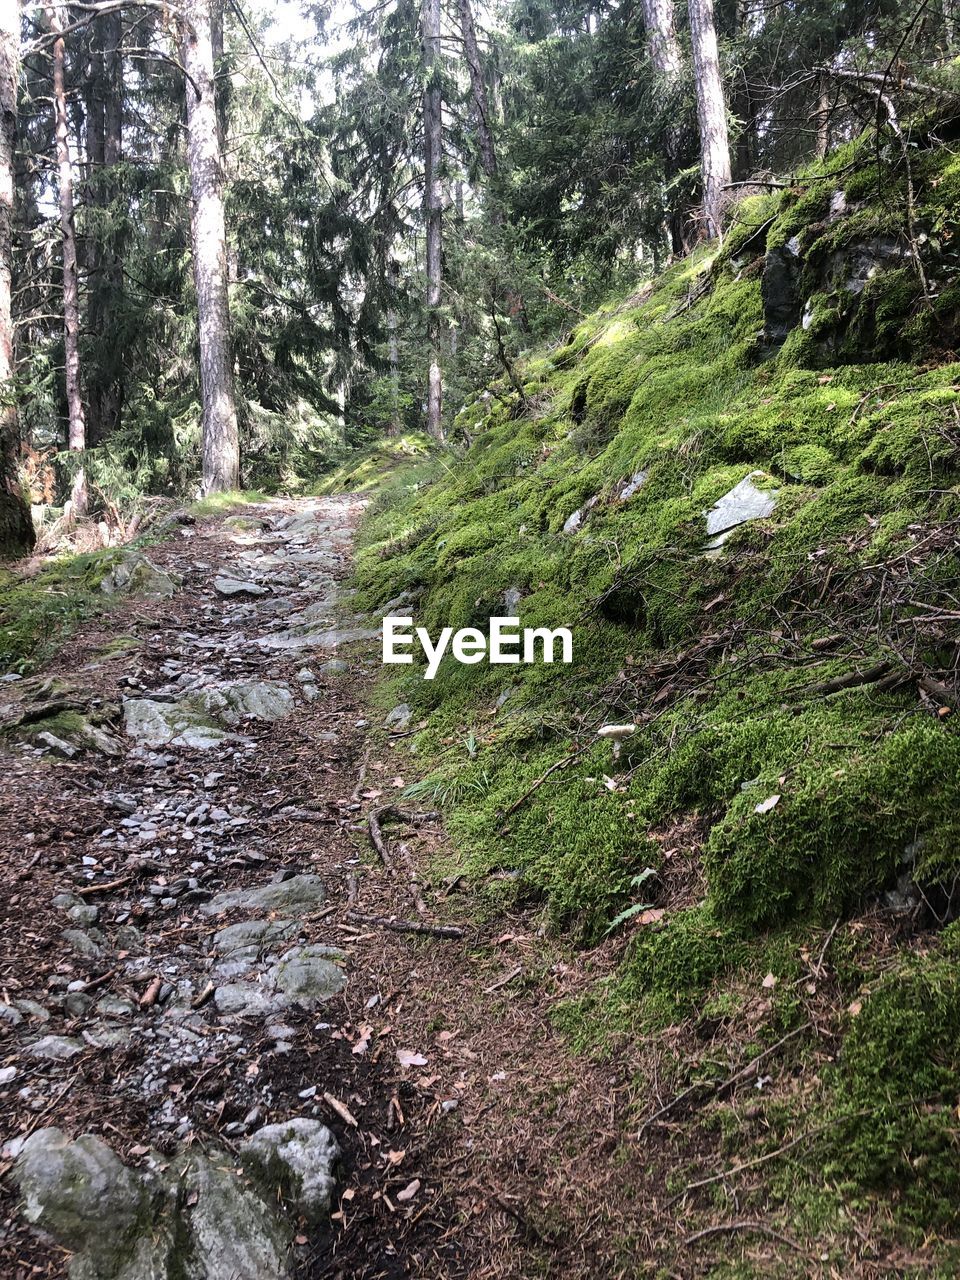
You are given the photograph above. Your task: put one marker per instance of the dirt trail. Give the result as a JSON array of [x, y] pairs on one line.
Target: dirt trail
[[470, 1140]]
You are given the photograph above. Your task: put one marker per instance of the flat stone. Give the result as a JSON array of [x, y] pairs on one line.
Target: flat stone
[[58, 746], [55, 1048], [253, 935], [90, 947], [334, 667], [744, 502], [248, 699], [247, 1000], [305, 891], [225, 585], [297, 1157], [159, 724]]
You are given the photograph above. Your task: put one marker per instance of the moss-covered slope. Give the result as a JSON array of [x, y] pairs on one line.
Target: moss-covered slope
[[794, 689], [743, 667]]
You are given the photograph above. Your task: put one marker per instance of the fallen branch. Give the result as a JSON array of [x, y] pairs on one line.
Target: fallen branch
[[377, 840], [724, 1228], [408, 926], [721, 1087], [85, 890], [851, 680]]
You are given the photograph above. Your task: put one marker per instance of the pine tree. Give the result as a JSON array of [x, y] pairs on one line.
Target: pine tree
[[711, 113], [221, 441], [77, 433], [433, 207], [16, 527]]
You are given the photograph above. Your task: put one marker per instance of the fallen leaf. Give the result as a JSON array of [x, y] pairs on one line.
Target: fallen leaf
[[394, 1157], [408, 1058], [363, 1040], [652, 916], [769, 981], [765, 806], [854, 1009], [409, 1191], [348, 1193]]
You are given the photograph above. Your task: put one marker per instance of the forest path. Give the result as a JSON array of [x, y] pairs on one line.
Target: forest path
[[184, 957]]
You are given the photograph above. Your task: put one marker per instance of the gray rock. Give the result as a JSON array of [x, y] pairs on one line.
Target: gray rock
[[253, 935], [196, 1220], [247, 1000], [87, 945], [626, 489], [158, 724], [229, 586], [82, 1195], [334, 667], [58, 746], [303, 892], [10, 1015], [399, 718], [574, 522], [308, 974], [232, 1233], [134, 574], [55, 1048], [743, 503], [781, 303], [297, 1158], [243, 699]]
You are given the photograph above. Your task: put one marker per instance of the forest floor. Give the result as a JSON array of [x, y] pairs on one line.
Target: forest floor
[[475, 1142], [477, 1157]]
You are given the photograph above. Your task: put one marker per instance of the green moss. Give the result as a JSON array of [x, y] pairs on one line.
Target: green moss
[[36, 613], [894, 1091]]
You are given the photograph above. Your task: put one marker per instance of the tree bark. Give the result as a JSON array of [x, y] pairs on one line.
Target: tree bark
[[711, 113], [663, 47], [16, 527], [221, 445], [104, 153], [663, 50], [478, 89], [433, 208], [77, 431]]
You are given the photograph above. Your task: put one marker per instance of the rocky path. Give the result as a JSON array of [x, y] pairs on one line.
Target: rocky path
[[216, 1063]]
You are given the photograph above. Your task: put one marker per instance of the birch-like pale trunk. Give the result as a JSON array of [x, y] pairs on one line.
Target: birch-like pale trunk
[[221, 439], [16, 527], [433, 208], [77, 429], [663, 47], [711, 112]]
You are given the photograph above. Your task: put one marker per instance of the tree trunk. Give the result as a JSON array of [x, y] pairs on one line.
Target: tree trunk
[[77, 438], [104, 153], [433, 207], [662, 44], [711, 113], [663, 49], [478, 88], [16, 527], [221, 447]]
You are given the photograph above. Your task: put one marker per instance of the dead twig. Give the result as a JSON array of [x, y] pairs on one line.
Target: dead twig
[[408, 926]]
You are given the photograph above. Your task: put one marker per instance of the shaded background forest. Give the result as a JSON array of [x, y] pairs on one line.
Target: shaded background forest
[[552, 150]]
